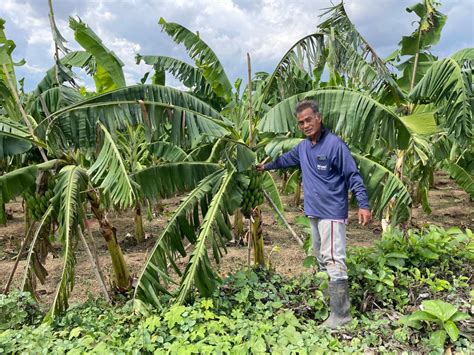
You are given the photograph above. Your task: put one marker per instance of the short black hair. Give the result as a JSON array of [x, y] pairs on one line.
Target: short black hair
[[303, 105]]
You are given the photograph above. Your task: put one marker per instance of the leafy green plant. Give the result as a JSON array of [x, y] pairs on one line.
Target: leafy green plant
[[403, 265], [247, 291], [250, 312], [17, 309], [440, 318]]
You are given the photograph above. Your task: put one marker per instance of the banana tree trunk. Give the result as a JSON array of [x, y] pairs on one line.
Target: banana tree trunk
[[3, 215], [238, 225], [399, 173], [121, 279], [257, 237], [138, 219], [297, 197]]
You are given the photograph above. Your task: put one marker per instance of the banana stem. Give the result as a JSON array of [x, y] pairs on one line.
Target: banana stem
[[91, 253], [22, 110], [26, 241]]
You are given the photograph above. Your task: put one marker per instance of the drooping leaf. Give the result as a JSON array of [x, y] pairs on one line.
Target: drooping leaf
[[182, 225], [423, 64], [14, 183], [103, 81], [192, 120], [204, 57], [50, 101], [10, 146], [58, 38], [354, 56], [198, 271], [293, 181], [270, 187], [134, 148], [111, 75], [71, 184], [420, 123], [460, 175], [354, 116], [245, 157], [429, 28], [62, 72], [279, 145], [42, 231], [168, 152], [8, 77], [167, 179], [190, 76], [448, 86], [14, 138], [109, 170], [463, 55], [306, 55], [383, 186]]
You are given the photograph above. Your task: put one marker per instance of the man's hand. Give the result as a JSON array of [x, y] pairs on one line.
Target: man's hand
[[364, 216], [260, 167]]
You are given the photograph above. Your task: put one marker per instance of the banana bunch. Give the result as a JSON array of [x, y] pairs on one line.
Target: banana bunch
[[253, 194], [38, 204]]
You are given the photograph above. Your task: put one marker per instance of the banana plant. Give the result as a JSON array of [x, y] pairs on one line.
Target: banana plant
[[83, 132], [202, 219], [200, 222], [83, 182], [207, 78], [426, 127]]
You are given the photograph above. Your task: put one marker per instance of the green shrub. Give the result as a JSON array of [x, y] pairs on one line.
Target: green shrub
[[256, 311], [440, 318], [18, 309], [401, 266]]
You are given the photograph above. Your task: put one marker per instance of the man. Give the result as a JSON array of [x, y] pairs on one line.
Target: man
[[329, 171]]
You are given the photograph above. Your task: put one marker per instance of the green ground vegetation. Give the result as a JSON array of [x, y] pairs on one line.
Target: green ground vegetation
[[410, 292]]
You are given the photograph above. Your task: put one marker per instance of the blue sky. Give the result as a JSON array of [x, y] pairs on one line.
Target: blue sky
[[264, 28]]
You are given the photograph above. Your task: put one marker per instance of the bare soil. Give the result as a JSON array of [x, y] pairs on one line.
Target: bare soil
[[450, 207]]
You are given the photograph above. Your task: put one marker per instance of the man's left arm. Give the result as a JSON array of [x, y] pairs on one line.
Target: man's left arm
[[355, 183]]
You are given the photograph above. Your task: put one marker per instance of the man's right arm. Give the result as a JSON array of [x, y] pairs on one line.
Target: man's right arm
[[286, 160]]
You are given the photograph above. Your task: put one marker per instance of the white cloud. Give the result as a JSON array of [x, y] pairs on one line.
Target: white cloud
[[28, 20], [40, 36], [266, 32], [34, 69]]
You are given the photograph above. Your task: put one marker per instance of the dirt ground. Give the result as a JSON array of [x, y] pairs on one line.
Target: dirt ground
[[451, 207]]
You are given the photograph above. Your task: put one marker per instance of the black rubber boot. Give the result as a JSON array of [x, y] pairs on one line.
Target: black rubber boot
[[340, 305]]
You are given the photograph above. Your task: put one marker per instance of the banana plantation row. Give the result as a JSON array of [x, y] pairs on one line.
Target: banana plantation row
[[69, 152]]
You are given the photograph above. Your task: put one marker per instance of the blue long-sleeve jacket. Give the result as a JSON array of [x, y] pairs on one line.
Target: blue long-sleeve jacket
[[329, 171]]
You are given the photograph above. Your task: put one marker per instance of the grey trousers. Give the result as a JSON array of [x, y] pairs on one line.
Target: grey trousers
[[329, 246]]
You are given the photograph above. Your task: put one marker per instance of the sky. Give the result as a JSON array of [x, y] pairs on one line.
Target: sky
[[264, 28]]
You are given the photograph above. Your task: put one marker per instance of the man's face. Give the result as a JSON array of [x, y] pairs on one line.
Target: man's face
[[309, 122]]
